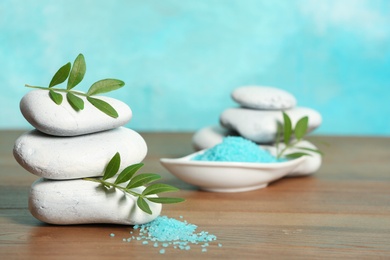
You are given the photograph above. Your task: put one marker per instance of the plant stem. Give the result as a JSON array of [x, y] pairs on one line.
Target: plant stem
[[109, 184], [59, 90], [279, 154]]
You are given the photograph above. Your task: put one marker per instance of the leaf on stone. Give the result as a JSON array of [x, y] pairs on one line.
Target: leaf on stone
[[76, 102], [112, 166], [56, 97], [104, 86], [296, 155], [61, 75], [143, 205], [166, 200], [142, 179], [158, 188], [287, 128], [78, 71], [103, 106], [301, 127], [128, 173]]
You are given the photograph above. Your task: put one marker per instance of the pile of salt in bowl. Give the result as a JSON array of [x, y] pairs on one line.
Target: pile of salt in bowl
[[164, 232], [236, 149]]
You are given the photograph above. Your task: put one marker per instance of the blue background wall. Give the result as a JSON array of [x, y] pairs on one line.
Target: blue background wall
[[180, 59]]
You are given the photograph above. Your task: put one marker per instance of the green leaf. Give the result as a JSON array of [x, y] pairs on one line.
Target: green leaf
[[61, 75], [301, 127], [287, 128], [158, 188], [103, 106], [279, 131], [142, 179], [296, 155], [143, 205], [310, 149], [104, 86], [112, 167], [76, 102], [166, 200], [128, 173], [78, 71], [56, 97]]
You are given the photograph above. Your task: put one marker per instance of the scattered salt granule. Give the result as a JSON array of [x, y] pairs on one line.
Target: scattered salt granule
[[112, 235], [165, 232], [236, 149]]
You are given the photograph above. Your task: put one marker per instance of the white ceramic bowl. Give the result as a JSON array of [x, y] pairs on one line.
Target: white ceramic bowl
[[228, 176]]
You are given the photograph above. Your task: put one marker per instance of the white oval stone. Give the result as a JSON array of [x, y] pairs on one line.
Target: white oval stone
[[260, 97], [85, 202], [62, 120], [260, 126], [208, 137], [82, 156]]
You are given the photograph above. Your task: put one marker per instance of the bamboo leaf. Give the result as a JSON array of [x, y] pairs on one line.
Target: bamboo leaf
[[104, 86], [78, 71], [142, 179], [128, 173], [301, 127], [103, 106], [296, 155], [287, 128], [143, 205], [76, 102], [61, 75], [56, 97], [112, 167], [158, 188], [166, 200]]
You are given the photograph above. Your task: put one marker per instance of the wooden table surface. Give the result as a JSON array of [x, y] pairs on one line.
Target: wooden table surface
[[342, 211]]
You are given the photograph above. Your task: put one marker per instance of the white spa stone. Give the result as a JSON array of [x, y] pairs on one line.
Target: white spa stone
[[209, 136], [62, 120], [61, 158], [260, 97], [260, 126], [85, 202]]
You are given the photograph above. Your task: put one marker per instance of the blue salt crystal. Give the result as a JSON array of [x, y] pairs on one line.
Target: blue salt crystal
[[172, 232], [236, 149], [112, 235]]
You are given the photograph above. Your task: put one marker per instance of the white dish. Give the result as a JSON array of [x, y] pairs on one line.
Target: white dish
[[228, 176]]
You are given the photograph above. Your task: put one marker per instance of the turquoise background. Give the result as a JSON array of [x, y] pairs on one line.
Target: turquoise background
[[181, 59]]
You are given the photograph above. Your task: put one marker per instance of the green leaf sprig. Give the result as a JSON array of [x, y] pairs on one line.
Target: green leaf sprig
[[291, 137], [75, 75], [136, 181]]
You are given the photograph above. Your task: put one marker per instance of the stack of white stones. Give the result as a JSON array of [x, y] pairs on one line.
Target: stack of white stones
[[67, 146], [256, 119]]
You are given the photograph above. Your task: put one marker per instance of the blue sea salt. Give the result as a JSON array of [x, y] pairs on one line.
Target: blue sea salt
[[169, 231], [236, 149]]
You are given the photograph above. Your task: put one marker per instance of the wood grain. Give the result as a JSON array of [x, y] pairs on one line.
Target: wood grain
[[343, 211]]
